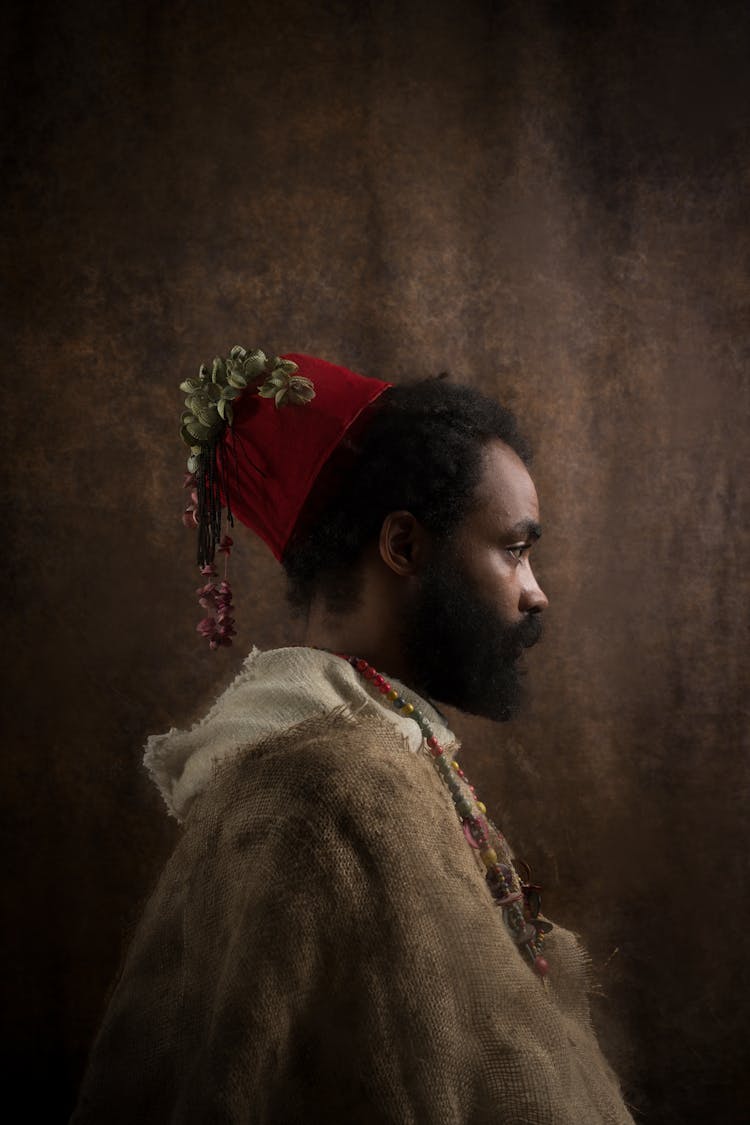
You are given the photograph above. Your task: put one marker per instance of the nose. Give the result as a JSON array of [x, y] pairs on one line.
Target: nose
[[533, 598]]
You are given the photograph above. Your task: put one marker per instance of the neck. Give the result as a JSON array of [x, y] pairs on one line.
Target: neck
[[372, 628], [381, 651]]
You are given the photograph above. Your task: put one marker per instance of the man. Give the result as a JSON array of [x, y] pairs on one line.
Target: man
[[341, 934]]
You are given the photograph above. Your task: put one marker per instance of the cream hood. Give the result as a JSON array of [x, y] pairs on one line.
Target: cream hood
[[275, 689]]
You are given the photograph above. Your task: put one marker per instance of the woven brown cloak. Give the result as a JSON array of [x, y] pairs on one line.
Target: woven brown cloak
[[322, 947]]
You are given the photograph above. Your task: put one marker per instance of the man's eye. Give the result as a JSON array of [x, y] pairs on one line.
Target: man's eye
[[518, 553]]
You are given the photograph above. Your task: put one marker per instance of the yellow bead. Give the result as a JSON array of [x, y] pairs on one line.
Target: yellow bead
[[481, 806], [489, 857], [455, 765], [392, 694], [407, 709]]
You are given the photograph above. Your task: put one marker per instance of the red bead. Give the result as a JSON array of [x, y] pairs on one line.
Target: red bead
[[378, 680], [361, 665], [435, 750], [432, 742], [541, 966], [385, 687]]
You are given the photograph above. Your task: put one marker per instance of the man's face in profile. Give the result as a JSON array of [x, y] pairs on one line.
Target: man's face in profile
[[478, 605]]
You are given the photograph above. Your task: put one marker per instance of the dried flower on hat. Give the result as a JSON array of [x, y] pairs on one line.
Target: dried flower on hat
[[286, 387], [210, 396]]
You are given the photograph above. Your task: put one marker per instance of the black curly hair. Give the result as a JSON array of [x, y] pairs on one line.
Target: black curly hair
[[420, 450]]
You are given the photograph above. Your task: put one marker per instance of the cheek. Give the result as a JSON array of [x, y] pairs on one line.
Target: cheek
[[497, 575]]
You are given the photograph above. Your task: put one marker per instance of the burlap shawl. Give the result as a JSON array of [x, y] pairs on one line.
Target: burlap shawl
[[322, 947]]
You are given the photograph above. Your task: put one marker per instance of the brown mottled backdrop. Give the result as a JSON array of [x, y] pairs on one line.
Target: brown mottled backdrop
[[551, 201]]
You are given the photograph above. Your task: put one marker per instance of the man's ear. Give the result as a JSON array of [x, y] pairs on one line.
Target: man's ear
[[402, 542]]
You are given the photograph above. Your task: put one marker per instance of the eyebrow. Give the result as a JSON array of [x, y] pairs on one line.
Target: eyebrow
[[526, 529]]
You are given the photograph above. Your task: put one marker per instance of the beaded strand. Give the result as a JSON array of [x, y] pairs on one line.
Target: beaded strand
[[520, 903]]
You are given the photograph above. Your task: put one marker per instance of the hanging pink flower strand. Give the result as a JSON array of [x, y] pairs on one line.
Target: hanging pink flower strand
[[216, 597]]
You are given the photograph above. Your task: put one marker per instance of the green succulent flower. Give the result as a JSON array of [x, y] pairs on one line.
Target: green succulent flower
[[286, 387]]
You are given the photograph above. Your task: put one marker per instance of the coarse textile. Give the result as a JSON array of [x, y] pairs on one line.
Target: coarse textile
[[322, 945]]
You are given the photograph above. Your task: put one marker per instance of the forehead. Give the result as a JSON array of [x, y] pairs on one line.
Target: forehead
[[505, 495]]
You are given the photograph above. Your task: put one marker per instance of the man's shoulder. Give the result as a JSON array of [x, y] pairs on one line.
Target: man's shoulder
[[333, 801], [325, 763]]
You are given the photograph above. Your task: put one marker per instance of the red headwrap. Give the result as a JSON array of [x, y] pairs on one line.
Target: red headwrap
[[272, 456]]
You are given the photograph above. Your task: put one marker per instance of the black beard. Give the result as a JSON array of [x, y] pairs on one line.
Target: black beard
[[458, 649]]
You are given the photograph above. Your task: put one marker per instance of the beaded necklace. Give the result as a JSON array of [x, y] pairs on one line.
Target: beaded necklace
[[520, 902]]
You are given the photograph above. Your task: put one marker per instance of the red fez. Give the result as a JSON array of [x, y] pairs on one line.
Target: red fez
[[273, 455], [260, 431], [258, 448]]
